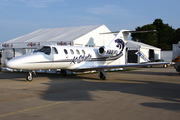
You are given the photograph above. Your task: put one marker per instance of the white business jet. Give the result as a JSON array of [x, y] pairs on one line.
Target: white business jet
[[75, 58]]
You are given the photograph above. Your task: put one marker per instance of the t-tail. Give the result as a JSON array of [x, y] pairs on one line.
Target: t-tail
[[117, 45]]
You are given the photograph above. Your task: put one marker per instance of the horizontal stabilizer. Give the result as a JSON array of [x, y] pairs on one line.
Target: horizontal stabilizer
[[126, 31], [139, 31], [111, 32]]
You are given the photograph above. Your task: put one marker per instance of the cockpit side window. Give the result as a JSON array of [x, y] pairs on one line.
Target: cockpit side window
[[44, 49], [54, 50]]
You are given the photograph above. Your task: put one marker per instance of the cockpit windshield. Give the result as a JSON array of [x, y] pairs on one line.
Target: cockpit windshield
[[44, 49]]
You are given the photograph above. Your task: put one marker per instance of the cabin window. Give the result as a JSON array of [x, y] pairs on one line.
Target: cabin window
[[54, 50], [77, 51], [44, 49], [65, 51], [72, 52], [83, 52]]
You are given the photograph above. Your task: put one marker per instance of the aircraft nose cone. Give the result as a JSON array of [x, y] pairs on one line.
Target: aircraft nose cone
[[12, 64]]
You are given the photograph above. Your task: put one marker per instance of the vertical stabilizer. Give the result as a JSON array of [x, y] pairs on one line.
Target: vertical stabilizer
[[121, 37], [116, 46]]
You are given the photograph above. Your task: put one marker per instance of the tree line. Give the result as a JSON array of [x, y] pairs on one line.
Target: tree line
[[163, 38]]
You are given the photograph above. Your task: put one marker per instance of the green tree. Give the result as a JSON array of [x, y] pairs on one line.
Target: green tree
[[177, 36], [164, 38], [148, 38]]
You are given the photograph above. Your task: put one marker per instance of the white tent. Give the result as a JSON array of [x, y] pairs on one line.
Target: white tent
[[49, 36]]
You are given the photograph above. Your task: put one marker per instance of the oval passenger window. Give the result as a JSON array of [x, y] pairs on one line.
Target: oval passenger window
[[72, 52], [83, 52], [78, 52], [65, 51]]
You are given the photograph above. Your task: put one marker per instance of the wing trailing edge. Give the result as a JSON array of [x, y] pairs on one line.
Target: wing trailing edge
[[124, 66]]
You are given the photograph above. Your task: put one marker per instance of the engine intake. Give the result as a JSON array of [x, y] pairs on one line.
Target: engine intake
[[107, 51]]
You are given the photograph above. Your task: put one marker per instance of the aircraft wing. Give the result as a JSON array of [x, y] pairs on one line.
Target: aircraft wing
[[124, 66]]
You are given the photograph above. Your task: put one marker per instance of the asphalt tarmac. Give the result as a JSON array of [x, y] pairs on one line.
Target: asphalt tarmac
[[143, 94]]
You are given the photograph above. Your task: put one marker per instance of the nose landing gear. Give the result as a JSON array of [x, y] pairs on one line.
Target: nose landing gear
[[29, 77]]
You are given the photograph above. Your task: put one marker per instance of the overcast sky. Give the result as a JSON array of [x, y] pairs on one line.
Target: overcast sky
[[20, 17]]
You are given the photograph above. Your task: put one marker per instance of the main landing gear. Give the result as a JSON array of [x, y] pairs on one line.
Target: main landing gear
[[102, 75], [63, 72], [29, 77]]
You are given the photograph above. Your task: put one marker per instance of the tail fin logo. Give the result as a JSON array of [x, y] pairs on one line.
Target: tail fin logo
[[119, 44]]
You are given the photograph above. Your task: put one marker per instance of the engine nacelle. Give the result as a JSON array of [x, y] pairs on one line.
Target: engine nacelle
[[107, 51]]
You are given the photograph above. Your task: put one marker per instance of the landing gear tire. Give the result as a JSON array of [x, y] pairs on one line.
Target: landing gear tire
[[101, 74], [165, 66], [63, 73], [29, 77], [102, 77]]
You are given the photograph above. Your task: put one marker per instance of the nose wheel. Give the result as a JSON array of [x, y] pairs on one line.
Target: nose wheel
[[29, 77]]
